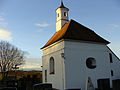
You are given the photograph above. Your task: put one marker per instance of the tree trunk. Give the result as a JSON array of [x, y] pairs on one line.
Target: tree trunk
[[4, 75]]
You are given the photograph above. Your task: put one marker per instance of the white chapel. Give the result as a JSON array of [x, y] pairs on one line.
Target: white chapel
[[77, 58]]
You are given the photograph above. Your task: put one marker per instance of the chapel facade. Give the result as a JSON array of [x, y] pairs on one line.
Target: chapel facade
[[75, 57]]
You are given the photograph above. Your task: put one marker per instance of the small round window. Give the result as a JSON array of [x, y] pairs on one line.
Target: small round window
[[91, 63]]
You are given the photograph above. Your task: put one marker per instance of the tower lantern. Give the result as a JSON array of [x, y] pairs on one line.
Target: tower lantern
[[61, 16]]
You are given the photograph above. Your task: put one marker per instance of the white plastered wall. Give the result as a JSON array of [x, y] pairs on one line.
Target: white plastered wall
[[76, 54], [54, 51]]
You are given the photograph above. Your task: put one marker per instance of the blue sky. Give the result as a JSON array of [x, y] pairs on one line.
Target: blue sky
[[28, 24]]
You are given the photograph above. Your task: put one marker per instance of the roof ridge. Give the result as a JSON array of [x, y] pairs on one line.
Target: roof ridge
[[81, 25]]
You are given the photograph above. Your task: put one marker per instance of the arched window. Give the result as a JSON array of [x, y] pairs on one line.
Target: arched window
[[65, 14], [58, 14], [45, 75], [110, 55], [91, 63], [111, 72], [52, 65]]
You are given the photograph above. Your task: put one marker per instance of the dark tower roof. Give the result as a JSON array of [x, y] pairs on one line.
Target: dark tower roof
[[72, 30], [62, 5]]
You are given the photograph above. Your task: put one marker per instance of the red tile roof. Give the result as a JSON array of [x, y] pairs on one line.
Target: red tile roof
[[74, 31]]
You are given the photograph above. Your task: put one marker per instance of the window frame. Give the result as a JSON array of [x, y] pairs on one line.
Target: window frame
[[65, 14], [91, 63], [111, 58], [46, 75], [58, 15], [112, 73], [51, 66]]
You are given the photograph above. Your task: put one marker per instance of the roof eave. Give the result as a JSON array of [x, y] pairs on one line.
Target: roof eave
[[51, 44]]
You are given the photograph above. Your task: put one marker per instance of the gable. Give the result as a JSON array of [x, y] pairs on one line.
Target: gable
[[113, 53]]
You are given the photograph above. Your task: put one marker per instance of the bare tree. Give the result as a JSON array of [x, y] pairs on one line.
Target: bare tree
[[10, 56]]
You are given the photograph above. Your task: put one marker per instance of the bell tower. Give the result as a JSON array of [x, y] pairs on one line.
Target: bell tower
[[61, 16]]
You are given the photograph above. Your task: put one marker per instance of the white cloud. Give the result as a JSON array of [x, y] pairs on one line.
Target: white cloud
[[1, 19], [32, 66], [40, 30], [32, 63], [5, 34], [114, 25], [3, 24], [42, 25]]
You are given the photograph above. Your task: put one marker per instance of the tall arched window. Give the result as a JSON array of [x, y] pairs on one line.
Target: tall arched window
[[110, 55], [52, 65]]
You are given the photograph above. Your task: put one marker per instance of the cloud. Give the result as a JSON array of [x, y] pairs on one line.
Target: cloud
[[40, 30], [33, 64], [5, 34], [1, 19], [3, 24], [42, 25], [114, 25]]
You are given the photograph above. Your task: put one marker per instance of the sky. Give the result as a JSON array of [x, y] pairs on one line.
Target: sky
[[29, 24]]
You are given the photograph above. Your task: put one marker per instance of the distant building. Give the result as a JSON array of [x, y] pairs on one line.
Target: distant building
[[76, 57]]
